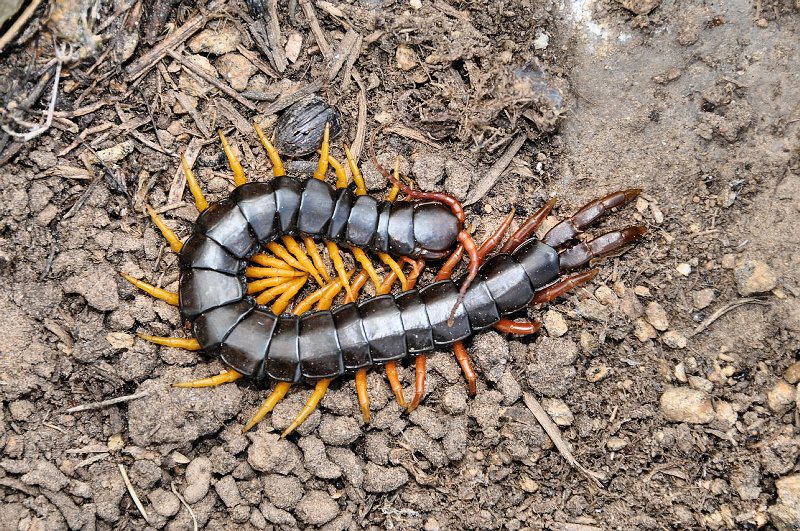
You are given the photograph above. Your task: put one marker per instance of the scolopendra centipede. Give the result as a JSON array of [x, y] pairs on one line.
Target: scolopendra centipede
[[229, 316]]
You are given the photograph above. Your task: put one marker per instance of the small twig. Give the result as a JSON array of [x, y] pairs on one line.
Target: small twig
[[9, 35], [725, 309], [153, 122], [209, 78], [319, 35], [555, 435], [273, 30], [489, 180], [188, 507], [413, 134], [133, 492], [30, 135], [109, 402], [361, 126], [186, 103], [257, 62], [148, 60], [179, 178], [280, 104]]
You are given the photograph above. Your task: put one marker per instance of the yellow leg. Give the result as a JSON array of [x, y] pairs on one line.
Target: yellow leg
[[281, 252], [272, 293], [361, 189], [194, 187], [358, 283], [322, 166], [269, 261], [394, 266], [395, 189], [338, 265], [283, 301], [236, 167], [341, 176], [274, 157], [265, 272], [269, 404], [158, 293], [173, 240], [394, 382], [186, 343], [363, 397], [302, 257], [226, 377], [325, 293], [311, 405], [363, 259], [257, 286], [313, 252]]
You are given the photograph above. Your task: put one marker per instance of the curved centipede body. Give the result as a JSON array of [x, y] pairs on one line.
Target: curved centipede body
[[227, 279]]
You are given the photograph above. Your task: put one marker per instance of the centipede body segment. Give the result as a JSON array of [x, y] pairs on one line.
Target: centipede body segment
[[226, 249]]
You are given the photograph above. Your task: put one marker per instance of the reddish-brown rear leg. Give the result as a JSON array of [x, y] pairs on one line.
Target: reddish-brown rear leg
[[582, 253], [507, 326], [528, 227]]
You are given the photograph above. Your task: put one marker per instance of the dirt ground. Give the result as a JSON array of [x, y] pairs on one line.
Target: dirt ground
[[672, 377]]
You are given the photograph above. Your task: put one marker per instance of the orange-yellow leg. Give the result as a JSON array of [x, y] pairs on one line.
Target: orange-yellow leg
[[324, 293], [361, 390], [281, 388], [396, 269], [269, 295], [319, 392], [283, 301], [420, 367], [322, 165], [257, 286], [281, 252], [274, 157], [341, 176], [316, 259], [166, 296], [186, 343], [395, 189], [269, 261], [302, 257], [528, 227], [394, 382], [194, 186], [496, 237], [365, 262], [236, 167], [174, 243], [508, 326], [269, 272], [226, 377], [361, 188], [338, 266], [466, 367]]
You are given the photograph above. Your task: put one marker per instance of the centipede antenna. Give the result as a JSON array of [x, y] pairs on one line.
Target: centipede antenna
[[361, 391], [283, 301], [281, 252], [226, 377], [269, 261], [313, 401], [236, 167], [420, 368], [194, 187], [174, 243], [396, 269], [341, 176], [186, 343], [257, 286], [507, 326], [361, 188], [365, 262], [159, 293], [277, 394], [322, 166], [394, 383], [338, 266], [303, 258], [266, 272], [274, 157], [466, 367], [316, 259]]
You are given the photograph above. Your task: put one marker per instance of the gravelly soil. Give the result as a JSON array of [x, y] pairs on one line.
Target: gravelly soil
[[688, 423]]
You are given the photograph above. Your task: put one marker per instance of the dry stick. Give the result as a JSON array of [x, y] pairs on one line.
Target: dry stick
[[273, 29], [485, 184], [186, 102], [257, 62], [319, 35], [281, 103], [133, 492], [355, 52], [555, 435], [9, 35], [209, 78], [725, 309], [149, 60], [235, 117], [188, 507], [361, 127], [110, 402], [413, 134], [338, 58], [179, 179]]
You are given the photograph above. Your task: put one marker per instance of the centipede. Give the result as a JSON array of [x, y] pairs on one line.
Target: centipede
[[242, 266]]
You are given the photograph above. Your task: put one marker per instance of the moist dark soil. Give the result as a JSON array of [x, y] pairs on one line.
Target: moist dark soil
[[672, 376]]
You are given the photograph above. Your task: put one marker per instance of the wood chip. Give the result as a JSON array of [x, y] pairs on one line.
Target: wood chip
[[319, 35], [412, 134], [257, 62], [190, 66], [274, 36], [235, 117], [179, 178], [149, 59], [337, 59], [488, 181], [281, 103], [187, 104]]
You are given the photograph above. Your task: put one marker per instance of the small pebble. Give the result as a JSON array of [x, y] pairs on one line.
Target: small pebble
[[680, 372], [455, 400], [606, 295], [680, 404], [559, 411], [236, 70], [216, 41], [595, 374], [316, 508], [656, 316], [415, 4], [588, 341], [725, 413], [228, 492], [198, 479], [616, 443], [405, 57], [780, 398], [643, 330], [700, 383], [703, 298], [684, 269], [164, 502], [592, 310], [554, 323], [294, 44], [753, 277], [785, 514], [792, 373], [379, 479], [528, 485], [674, 340], [642, 291]]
